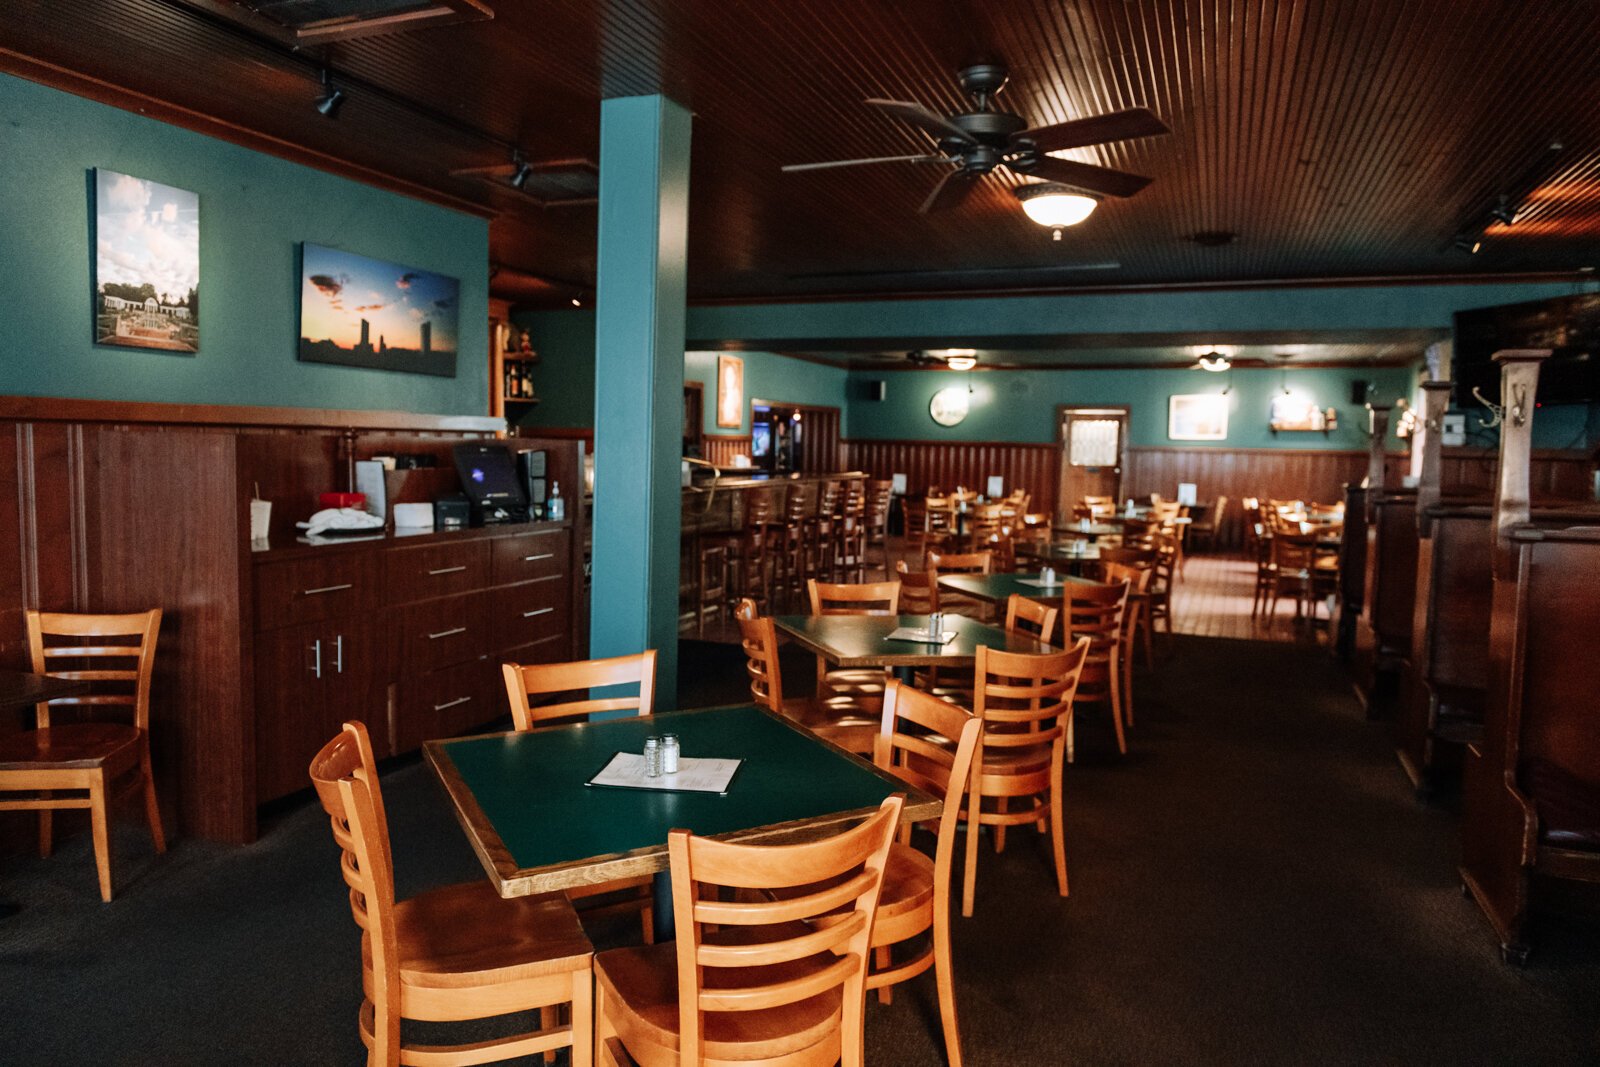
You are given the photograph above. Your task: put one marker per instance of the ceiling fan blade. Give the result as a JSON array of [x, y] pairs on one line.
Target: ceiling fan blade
[[1098, 129], [950, 192], [859, 162], [1087, 176], [932, 122]]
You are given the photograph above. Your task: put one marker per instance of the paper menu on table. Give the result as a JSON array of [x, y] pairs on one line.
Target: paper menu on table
[[920, 635], [626, 770]]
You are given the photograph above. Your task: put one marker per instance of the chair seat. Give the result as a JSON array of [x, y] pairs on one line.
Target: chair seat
[[850, 723], [1568, 806], [467, 935], [1015, 761], [641, 985], [82, 745], [907, 882]]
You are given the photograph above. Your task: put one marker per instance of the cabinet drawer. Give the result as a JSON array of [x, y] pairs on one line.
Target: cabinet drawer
[[531, 612], [314, 588], [536, 555], [435, 570], [446, 702], [437, 633]]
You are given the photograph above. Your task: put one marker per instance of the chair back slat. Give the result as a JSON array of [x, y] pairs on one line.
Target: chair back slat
[[1031, 617], [526, 681], [919, 593], [752, 952], [72, 646], [759, 637], [1026, 699], [853, 598], [961, 562]]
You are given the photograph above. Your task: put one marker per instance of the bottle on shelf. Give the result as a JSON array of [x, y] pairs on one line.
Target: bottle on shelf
[[556, 507]]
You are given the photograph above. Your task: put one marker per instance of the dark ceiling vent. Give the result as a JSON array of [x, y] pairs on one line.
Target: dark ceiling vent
[[1214, 238], [314, 21], [558, 183]]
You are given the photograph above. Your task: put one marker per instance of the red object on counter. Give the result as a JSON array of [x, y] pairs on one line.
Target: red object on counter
[[342, 500]]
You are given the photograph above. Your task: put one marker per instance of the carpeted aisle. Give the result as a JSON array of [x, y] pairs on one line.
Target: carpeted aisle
[[1252, 884]]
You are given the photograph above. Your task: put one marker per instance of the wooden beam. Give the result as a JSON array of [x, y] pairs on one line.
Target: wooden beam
[[68, 409]]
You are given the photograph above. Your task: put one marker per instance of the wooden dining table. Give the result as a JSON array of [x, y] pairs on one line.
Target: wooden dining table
[[1072, 555], [851, 641], [537, 826], [999, 588], [19, 689]]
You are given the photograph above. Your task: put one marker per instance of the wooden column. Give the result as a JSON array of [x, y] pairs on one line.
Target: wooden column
[[1519, 380], [1435, 400], [1377, 447]]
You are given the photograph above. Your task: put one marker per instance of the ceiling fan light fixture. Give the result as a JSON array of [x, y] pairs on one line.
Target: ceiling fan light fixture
[[961, 362], [1054, 205], [1215, 362]]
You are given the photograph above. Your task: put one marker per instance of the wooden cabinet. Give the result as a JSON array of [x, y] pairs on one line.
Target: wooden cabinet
[[416, 653]]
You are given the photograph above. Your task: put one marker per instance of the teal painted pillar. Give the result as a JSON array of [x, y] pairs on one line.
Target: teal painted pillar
[[638, 401]]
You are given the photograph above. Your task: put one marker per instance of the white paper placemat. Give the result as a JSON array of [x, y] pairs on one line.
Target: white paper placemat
[[1041, 583], [921, 636], [626, 771]]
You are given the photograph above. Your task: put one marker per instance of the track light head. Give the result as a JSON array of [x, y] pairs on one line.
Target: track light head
[[331, 100], [1503, 212], [1469, 245], [524, 171]]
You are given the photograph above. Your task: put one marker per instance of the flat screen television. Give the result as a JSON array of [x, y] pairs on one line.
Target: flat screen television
[[1568, 325], [760, 439]]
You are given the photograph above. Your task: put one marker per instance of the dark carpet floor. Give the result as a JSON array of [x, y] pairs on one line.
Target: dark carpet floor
[[1253, 884]]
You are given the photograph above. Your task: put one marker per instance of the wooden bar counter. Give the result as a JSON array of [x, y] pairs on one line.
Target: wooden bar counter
[[717, 505]]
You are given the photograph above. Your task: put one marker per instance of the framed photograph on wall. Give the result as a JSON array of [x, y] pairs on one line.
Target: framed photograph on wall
[[362, 312], [730, 392], [1197, 417], [147, 264]]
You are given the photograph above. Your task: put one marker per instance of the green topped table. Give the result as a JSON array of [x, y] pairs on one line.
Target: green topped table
[[863, 641], [537, 827], [998, 588]]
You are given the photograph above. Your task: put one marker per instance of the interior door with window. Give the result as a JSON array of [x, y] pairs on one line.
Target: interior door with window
[[1093, 441]]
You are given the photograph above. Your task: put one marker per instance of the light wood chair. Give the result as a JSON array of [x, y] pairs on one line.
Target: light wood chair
[[527, 681], [752, 979], [1025, 702], [89, 763], [852, 598], [919, 593], [940, 563], [1095, 612], [451, 954], [1031, 617], [934, 755], [1138, 579], [847, 721], [1293, 560]]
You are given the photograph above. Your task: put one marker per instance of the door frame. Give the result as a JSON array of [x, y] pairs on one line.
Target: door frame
[[1122, 411]]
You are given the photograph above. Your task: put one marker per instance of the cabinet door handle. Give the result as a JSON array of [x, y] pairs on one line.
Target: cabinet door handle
[[315, 666], [537, 611], [451, 703], [536, 559], [446, 570], [447, 633], [327, 589], [338, 653]]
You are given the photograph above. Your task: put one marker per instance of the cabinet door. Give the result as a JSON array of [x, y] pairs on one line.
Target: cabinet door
[[309, 680]]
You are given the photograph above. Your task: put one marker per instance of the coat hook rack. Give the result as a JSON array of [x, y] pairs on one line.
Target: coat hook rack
[[1519, 406], [1496, 410]]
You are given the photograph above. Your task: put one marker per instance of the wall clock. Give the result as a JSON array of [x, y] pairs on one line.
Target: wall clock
[[949, 405]]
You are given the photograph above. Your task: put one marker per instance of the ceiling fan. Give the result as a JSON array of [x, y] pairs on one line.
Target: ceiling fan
[[977, 142]]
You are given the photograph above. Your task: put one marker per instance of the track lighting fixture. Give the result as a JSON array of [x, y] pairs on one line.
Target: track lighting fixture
[[1503, 212], [1469, 245], [332, 99], [524, 171]]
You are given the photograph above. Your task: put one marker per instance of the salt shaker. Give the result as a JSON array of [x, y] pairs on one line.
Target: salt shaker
[[652, 757], [669, 753], [936, 624]]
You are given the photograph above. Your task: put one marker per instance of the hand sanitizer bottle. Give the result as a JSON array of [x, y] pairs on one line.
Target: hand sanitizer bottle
[[555, 507]]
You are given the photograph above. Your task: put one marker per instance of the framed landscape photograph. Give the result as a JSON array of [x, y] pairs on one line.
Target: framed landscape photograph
[[362, 312], [1197, 417], [147, 264], [730, 392]]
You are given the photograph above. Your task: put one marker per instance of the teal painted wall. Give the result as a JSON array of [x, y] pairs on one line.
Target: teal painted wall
[[770, 377], [254, 210], [1020, 406]]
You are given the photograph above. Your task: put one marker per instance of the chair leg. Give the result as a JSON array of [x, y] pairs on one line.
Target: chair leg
[[1148, 622], [1126, 657], [969, 876], [1057, 830], [1004, 804], [1069, 740], [880, 962], [606, 1042], [549, 1019], [647, 923], [944, 979], [100, 828], [47, 831], [1115, 682], [582, 1018], [152, 810]]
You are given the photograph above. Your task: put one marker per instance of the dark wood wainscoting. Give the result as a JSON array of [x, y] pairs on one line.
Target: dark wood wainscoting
[[1470, 472], [720, 448], [947, 464]]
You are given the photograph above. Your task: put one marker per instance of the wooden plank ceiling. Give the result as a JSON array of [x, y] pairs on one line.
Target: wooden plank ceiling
[[1336, 138]]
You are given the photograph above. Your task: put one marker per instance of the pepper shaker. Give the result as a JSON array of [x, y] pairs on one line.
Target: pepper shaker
[[652, 757]]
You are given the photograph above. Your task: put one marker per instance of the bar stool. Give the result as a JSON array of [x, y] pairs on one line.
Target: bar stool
[[880, 498], [749, 563]]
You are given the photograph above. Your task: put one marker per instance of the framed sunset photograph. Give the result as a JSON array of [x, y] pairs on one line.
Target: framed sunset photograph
[[147, 264], [730, 392], [361, 312]]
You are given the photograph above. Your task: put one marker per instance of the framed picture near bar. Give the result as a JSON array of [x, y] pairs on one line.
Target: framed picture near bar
[[1197, 417], [730, 392], [361, 312], [147, 264]]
